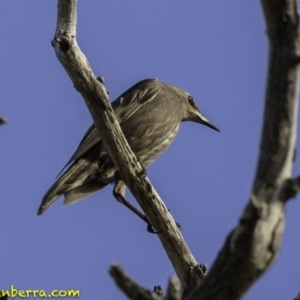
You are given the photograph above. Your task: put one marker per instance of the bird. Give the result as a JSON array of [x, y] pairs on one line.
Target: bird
[[149, 113]]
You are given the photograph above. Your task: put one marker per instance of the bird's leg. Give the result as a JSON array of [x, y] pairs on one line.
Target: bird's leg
[[119, 194]]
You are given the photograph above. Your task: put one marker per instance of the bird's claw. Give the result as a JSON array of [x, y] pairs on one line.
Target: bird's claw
[[151, 229], [178, 226], [143, 172]]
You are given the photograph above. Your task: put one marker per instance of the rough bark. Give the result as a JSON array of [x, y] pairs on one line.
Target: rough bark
[[252, 246], [95, 96], [129, 287]]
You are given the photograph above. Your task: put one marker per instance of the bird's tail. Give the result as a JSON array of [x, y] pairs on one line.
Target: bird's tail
[[83, 191], [73, 183]]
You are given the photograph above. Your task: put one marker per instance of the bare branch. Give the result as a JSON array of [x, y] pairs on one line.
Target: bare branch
[[157, 290], [298, 297], [129, 287], [173, 292], [94, 93], [253, 245]]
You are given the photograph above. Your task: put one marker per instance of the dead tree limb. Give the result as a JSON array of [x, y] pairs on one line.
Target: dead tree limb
[[95, 96], [133, 290], [252, 246]]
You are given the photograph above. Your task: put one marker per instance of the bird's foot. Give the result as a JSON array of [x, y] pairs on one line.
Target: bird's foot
[[151, 229], [178, 226], [143, 172]]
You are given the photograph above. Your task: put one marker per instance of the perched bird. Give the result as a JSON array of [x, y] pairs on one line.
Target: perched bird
[[149, 114]]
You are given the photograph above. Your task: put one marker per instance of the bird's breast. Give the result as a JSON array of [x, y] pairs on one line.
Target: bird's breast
[[153, 127], [156, 149], [150, 143]]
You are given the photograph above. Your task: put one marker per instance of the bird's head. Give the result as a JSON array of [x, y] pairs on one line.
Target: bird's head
[[191, 112]]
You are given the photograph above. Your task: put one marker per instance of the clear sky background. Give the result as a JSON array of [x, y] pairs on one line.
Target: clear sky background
[[216, 50]]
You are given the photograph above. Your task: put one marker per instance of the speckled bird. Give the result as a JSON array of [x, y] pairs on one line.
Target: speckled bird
[[149, 113]]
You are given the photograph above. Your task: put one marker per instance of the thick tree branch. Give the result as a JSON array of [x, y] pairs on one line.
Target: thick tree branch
[[253, 245], [94, 93]]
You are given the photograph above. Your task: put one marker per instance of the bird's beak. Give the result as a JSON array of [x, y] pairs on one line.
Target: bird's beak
[[204, 121]]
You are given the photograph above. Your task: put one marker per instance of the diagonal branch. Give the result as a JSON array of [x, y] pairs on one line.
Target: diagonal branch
[[95, 96], [253, 245], [129, 287], [135, 292]]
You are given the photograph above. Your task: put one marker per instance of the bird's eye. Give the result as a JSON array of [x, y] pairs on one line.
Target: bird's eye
[[191, 100]]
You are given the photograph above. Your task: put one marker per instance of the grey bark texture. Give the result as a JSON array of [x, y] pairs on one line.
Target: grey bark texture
[[95, 96], [252, 246]]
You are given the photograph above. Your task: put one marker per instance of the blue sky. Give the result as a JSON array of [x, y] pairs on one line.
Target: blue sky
[[216, 50]]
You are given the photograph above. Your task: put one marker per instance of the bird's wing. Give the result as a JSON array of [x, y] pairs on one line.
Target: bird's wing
[[90, 138], [133, 99], [124, 106]]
